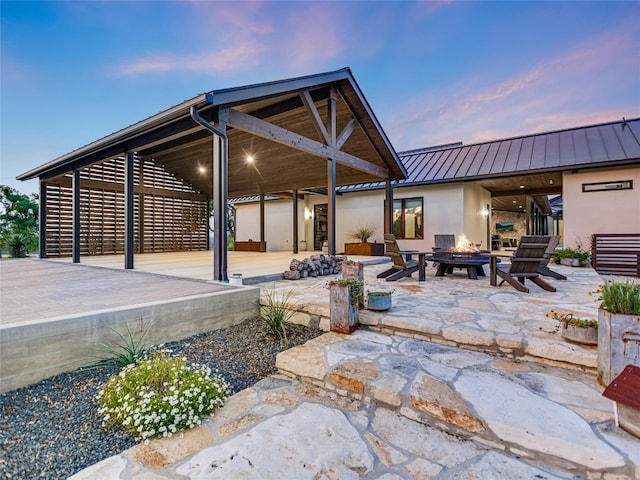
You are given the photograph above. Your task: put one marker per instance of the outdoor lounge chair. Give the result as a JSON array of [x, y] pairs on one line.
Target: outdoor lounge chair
[[525, 263], [401, 266], [444, 242], [544, 264]]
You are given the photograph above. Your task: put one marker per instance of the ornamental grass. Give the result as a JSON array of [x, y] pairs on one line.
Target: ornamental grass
[[160, 395]]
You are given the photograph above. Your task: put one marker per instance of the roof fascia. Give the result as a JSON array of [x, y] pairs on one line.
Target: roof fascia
[[369, 110], [115, 138], [237, 95]]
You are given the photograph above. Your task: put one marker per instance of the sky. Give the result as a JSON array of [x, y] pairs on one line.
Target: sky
[[433, 72]]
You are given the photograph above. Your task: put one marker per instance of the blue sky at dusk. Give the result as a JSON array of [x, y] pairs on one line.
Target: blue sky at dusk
[[433, 72]]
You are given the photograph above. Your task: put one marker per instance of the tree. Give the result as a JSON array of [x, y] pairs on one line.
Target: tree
[[18, 221]]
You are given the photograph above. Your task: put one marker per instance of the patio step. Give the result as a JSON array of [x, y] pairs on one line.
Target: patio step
[[458, 312], [547, 415]]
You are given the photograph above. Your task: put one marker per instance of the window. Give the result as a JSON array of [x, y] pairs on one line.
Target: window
[[407, 218]]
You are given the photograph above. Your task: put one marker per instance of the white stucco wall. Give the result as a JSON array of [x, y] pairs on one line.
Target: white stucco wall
[[451, 208], [613, 211], [477, 211], [278, 223]]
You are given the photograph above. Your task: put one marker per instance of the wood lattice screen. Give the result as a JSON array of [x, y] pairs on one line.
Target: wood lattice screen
[[173, 216]]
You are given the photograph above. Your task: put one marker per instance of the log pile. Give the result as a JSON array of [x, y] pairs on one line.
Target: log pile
[[314, 266]]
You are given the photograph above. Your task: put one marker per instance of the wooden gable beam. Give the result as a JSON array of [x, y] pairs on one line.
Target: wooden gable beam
[[346, 133], [277, 134], [315, 116]]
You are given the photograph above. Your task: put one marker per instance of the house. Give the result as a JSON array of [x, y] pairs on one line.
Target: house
[[500, 188], [306, 159]]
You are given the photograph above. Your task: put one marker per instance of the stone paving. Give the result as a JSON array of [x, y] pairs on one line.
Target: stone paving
[[456, 311], [388, 404], [373, 406]]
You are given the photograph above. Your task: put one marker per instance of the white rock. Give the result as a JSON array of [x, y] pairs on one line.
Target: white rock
[[438, 370], [567, 392], [521, 417], [107, 469], [421, 440], [500, 467], [313, 441]]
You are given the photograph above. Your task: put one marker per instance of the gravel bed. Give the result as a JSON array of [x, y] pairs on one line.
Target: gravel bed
[[51, 429]]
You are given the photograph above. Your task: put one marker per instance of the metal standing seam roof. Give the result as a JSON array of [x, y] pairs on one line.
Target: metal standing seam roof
[[605, 144]]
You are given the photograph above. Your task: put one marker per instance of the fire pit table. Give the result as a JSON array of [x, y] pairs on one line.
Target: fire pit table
[[471, 261]]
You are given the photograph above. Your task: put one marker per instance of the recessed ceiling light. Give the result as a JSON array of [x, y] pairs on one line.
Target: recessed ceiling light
[[514, 201], [250, 159], [201, 169], [521, 186]]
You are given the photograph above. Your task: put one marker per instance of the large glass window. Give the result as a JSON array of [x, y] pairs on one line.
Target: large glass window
[[407, 218]]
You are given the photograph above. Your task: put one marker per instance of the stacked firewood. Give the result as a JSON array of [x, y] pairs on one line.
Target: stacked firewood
[[314, 266]]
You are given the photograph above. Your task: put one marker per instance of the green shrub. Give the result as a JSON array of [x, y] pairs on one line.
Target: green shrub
[[620, 296], [127, 348], [160, 395], [276, 311]]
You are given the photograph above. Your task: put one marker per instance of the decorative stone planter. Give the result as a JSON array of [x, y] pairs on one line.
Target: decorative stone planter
[[303, 245], [353, 271], [583, 335], [344, 315], [379, 301], [570, 262], [618, 344]]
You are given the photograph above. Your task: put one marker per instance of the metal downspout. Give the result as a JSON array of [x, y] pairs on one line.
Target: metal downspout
[[219, 200]]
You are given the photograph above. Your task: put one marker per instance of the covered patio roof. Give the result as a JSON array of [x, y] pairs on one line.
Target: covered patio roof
[[282, 138], [286, 126]]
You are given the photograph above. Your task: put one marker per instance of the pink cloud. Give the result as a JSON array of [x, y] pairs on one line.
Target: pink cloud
[[570, 89], [247, 37], [237, 57]]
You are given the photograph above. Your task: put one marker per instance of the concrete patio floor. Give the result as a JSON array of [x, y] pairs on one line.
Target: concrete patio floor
[[255, 267]]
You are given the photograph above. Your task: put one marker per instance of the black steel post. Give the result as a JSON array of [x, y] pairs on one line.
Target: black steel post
[[295, 220], [75, 241], [42, 220], [128, 212]]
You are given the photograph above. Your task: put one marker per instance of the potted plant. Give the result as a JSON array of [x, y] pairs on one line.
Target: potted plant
[[379, 300], [363, 247], [618, 327], [575, 328], [573, 257], [345, 297]]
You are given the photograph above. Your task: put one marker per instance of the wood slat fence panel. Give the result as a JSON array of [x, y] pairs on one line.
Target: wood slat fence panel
[[616, 253], [174, 219]]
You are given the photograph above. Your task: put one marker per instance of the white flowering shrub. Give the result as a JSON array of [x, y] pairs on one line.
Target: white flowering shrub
[[161, 395]]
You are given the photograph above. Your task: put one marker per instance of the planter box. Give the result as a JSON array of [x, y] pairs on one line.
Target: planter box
[[354, 271], [583, 335], [367, 249], [344, 315], [618, 344], [250, 246]]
